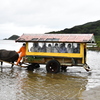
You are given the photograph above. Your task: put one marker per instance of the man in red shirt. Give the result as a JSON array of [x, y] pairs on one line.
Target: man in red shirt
[[22, 52]]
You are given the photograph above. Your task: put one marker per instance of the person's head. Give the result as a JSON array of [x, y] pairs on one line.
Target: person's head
[[56, 44], [69, 45], [63, 44], [35, 44], [24, 44], [49, 45]]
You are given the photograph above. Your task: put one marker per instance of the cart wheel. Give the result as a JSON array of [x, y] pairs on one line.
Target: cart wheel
[[53, 66]]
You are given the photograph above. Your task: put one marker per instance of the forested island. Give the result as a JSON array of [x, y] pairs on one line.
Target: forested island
[[13, 37]]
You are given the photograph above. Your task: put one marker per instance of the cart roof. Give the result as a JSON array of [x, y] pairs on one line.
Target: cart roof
[[78, 38]]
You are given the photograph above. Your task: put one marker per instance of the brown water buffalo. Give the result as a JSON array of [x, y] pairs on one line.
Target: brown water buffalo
[[8, 55]]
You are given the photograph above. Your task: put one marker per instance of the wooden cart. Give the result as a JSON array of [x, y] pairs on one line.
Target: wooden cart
[[56, 51]]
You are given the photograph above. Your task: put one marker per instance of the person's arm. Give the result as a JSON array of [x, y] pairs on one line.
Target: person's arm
[[19, 50]]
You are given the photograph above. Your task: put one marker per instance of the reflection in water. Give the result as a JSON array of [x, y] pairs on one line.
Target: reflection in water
[[21, 84], [94, 62], [10, 82]]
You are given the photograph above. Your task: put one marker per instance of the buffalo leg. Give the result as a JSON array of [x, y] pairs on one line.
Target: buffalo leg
[[1, 63], [12, 64]]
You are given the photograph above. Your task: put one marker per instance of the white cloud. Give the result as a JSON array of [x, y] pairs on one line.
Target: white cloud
[[40, 16]]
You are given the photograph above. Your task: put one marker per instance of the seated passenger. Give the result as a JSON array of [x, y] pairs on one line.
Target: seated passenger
[[43, 49], [56, 48], [77, 49], [69, 49], [63, 49], [35, 48], [49, 48], [32, 48]]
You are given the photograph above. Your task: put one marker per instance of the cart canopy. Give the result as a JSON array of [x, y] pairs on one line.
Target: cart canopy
[[73, 38]]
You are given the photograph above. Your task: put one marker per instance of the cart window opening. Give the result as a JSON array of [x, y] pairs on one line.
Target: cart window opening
[[55, 39], [21, 39], [49, 39], [54, 47], [41, 39], [34, 39]]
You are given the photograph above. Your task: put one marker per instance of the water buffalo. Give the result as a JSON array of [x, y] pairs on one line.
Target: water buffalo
[[8, 55]]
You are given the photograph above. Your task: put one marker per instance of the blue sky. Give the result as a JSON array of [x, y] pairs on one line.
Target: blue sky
[[41, 16]]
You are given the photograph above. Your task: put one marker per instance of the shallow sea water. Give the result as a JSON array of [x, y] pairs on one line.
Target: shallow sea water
[[20, 84]]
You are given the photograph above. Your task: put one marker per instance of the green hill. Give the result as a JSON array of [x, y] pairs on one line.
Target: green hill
[[91, 27]]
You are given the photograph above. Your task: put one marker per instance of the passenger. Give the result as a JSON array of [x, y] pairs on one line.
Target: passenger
[[35, 48], [69, 49], [56, 48], [22, 52], [43, 49], [49, 48], [63, 49], [32, 48], [77, 49]]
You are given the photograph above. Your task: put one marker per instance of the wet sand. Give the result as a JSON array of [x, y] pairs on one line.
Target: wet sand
[[92, 94]]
